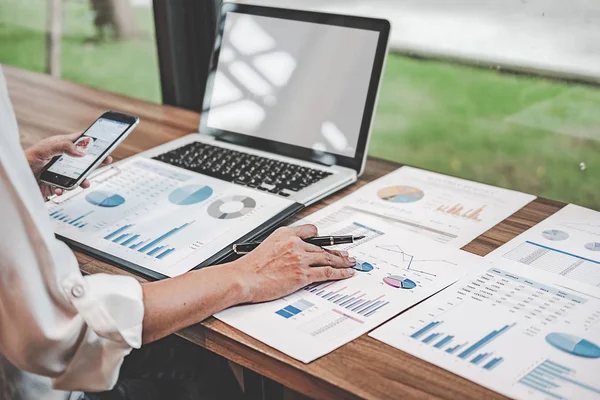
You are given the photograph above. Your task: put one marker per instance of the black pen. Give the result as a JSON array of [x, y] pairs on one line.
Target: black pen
[[321, 241]]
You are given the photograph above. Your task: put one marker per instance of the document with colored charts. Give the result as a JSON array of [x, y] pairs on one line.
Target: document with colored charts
[[446, 209], [512, 329], [395, 270], [165, 219], [566, 244]]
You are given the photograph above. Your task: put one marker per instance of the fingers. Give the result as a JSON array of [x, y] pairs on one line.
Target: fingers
[[330, 258], [329, 274], [304, 231], [107, 160], [58, 145], [58, 191], [85, 184]]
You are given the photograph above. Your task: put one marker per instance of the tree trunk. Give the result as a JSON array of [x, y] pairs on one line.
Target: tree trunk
[[53, 37], [122, 19]]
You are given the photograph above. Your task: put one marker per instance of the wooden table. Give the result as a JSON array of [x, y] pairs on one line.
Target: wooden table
[[364, 368]]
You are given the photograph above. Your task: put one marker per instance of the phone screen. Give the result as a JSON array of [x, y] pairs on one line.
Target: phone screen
[[94, 142]]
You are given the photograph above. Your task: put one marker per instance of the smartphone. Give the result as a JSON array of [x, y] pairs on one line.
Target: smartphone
[[97, 142]]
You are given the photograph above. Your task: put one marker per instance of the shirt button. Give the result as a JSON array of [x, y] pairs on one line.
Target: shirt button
[[77, 291]]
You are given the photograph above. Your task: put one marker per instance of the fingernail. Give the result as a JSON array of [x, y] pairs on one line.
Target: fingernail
[[351, 272], [352, 260], [344, 253]]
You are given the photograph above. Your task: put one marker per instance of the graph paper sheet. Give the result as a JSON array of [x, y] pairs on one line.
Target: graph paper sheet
[[443, 208], [162, 218], [566, 244], [509, 328], [395, 270]]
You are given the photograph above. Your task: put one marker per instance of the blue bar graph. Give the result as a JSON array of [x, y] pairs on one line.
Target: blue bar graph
[[482, 342], [443, 342], [353, 301], [425, 329], [479, 358], [121, 237], [163, 237], [492, 363], [115, 233], [295, 308], [131, 239], [77, 222], [134, 241], [431, 337], [453, 349], [155, 250], [165, 253], [553, 380]]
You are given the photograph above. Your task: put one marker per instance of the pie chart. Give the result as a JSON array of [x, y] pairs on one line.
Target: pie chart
[[363, 266], [573, 345], [400, 194], [231, 207], [555, 235], [191, 194], [593, 246], [399, 282], [104, 199]]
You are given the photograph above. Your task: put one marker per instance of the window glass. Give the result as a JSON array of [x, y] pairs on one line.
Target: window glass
[[502, 92], [108, 44]]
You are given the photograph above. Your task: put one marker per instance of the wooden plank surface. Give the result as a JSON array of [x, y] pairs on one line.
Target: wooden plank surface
[[364, 368]]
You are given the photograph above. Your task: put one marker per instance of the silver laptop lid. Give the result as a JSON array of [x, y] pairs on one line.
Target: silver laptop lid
[[297, 83]]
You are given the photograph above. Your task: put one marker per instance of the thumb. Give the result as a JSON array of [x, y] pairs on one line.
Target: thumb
[[60, 146]]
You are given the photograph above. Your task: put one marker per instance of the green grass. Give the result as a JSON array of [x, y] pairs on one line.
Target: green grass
[[514, 131]]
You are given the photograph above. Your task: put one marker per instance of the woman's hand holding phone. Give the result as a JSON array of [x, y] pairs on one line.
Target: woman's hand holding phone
[[40, 154]]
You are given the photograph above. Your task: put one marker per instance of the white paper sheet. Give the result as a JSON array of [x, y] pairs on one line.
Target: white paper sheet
[[509, 328], [160, 217], [446, 209], [398, 271], [566, 244]]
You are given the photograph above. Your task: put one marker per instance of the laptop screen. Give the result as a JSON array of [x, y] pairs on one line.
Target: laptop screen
[[294, 82]]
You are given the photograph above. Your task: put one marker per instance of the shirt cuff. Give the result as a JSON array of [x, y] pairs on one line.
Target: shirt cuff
[[112, 306]]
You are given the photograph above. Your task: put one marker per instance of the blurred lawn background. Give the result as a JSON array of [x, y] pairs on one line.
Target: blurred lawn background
[[516, 131]]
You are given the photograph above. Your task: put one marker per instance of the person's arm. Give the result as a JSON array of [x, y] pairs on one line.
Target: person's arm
[[279, 266]]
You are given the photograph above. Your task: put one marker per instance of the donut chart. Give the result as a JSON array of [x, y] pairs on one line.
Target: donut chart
[[231, 207]]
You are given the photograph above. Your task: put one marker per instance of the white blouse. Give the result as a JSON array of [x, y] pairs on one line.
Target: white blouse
[[54, 322]]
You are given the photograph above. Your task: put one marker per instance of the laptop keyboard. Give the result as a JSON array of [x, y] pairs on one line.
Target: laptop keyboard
[[242, 168]]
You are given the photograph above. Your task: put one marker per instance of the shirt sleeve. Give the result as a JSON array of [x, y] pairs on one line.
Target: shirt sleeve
[[54, 321]]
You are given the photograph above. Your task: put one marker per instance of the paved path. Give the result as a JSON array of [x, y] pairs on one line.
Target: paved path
[[557, 37]]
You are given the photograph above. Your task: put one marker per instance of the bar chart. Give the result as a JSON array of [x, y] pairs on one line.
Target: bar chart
[[354, 300], [77, 221], [151, 247], [432, 335], [558, 381], [294, 308], [460, 210]]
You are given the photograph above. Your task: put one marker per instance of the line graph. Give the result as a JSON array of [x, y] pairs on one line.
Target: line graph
[[414, 264]]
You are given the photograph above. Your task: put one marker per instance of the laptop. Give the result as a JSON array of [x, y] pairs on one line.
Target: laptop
[[289, 102], [286, 119]]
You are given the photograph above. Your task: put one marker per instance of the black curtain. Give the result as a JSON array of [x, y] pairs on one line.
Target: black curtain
[[185, 34]]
